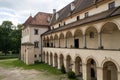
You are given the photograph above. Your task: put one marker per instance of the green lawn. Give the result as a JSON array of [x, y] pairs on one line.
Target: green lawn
[[11, 63], [8, 56]]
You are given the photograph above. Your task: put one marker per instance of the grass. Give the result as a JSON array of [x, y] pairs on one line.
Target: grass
[[12, 63], [8, 56]]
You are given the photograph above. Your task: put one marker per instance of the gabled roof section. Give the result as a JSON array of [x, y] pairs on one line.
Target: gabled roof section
[[28, 21], [79, 6], [40, 19]]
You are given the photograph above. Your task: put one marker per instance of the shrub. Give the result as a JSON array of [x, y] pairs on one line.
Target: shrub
[[71, 75], [63, 69]]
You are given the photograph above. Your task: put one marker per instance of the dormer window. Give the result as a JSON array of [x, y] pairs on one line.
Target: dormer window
[[86, 14], [111, 5], [64, 23], [95, 1], [72, 6], [57, 16], [78, 18]]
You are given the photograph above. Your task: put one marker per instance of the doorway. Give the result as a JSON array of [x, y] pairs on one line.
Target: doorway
[[76, 42]]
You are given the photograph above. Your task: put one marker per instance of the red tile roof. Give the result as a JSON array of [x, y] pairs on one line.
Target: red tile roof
[[40, 18]]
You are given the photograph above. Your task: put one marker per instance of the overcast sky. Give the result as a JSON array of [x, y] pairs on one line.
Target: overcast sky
[[18, 11]]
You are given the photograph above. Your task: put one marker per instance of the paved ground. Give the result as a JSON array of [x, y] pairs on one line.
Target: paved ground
[[20, 74]]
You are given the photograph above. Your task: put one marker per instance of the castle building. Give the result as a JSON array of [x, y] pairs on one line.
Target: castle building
[[84, 36]]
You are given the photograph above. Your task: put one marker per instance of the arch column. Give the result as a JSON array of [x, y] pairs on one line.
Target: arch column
[[99, 73], [84, 71], [59, 42], [99, 40], [84, 40], [53, 61], [49, 59], [118, 75], [65, 42], [59, 63]]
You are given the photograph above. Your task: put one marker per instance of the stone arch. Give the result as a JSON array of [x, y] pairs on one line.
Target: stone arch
[[69, 40], [78, 66], [56, 39], [51, 41], [91, 69], [69, 34], [91, 57], [110, 32], [91, 34], [51, 59], [110, 71], [68, 63], [56, 60], [111, 60], [62, 40], [61, 60], [78, 36]]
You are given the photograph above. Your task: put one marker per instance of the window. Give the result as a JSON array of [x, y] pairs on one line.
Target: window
[[36, 31], [64, 23], [36, 44], [59, 25], [91, 34], [78, 18], [35, 55], [111, 5], [86, 14]]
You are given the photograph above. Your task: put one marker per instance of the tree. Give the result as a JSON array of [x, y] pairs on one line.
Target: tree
[[10, 39]]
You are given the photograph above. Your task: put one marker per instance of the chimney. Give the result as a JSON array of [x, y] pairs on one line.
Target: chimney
[[54, 11]]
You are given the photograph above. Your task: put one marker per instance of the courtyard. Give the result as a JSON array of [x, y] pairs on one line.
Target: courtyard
[[13, 69]]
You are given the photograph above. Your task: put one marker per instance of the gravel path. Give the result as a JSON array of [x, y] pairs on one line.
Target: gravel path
[[20, 74]]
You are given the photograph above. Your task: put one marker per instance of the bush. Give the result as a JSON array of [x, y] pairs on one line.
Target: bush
[[63, 69], [71, 75]]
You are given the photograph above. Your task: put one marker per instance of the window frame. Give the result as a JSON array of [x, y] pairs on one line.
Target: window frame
[[36, 44], [36, 32], [111, 5]]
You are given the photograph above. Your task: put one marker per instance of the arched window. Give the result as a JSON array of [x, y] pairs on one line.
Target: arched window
[[92, 35]]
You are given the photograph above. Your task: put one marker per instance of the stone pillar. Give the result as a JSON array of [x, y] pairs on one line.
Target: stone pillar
[[84, 71], [73, 66], [118, 75], [59, 42], [65, 42], [65, 63], [84, 40], [59, 63], [99, 73], [49, 59], [99, 41], [53, 61]]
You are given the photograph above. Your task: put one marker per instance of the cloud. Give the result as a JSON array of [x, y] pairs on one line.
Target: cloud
[[18, 11]]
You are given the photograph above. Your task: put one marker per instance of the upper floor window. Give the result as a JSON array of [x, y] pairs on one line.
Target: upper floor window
[[86, 14], [111, 5], [92, 35], [35, 55], [64, 23], [36, 44], [59, 25], [78, 18], [36, 31]]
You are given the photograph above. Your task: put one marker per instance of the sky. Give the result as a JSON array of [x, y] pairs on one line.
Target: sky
[[18, 11]]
